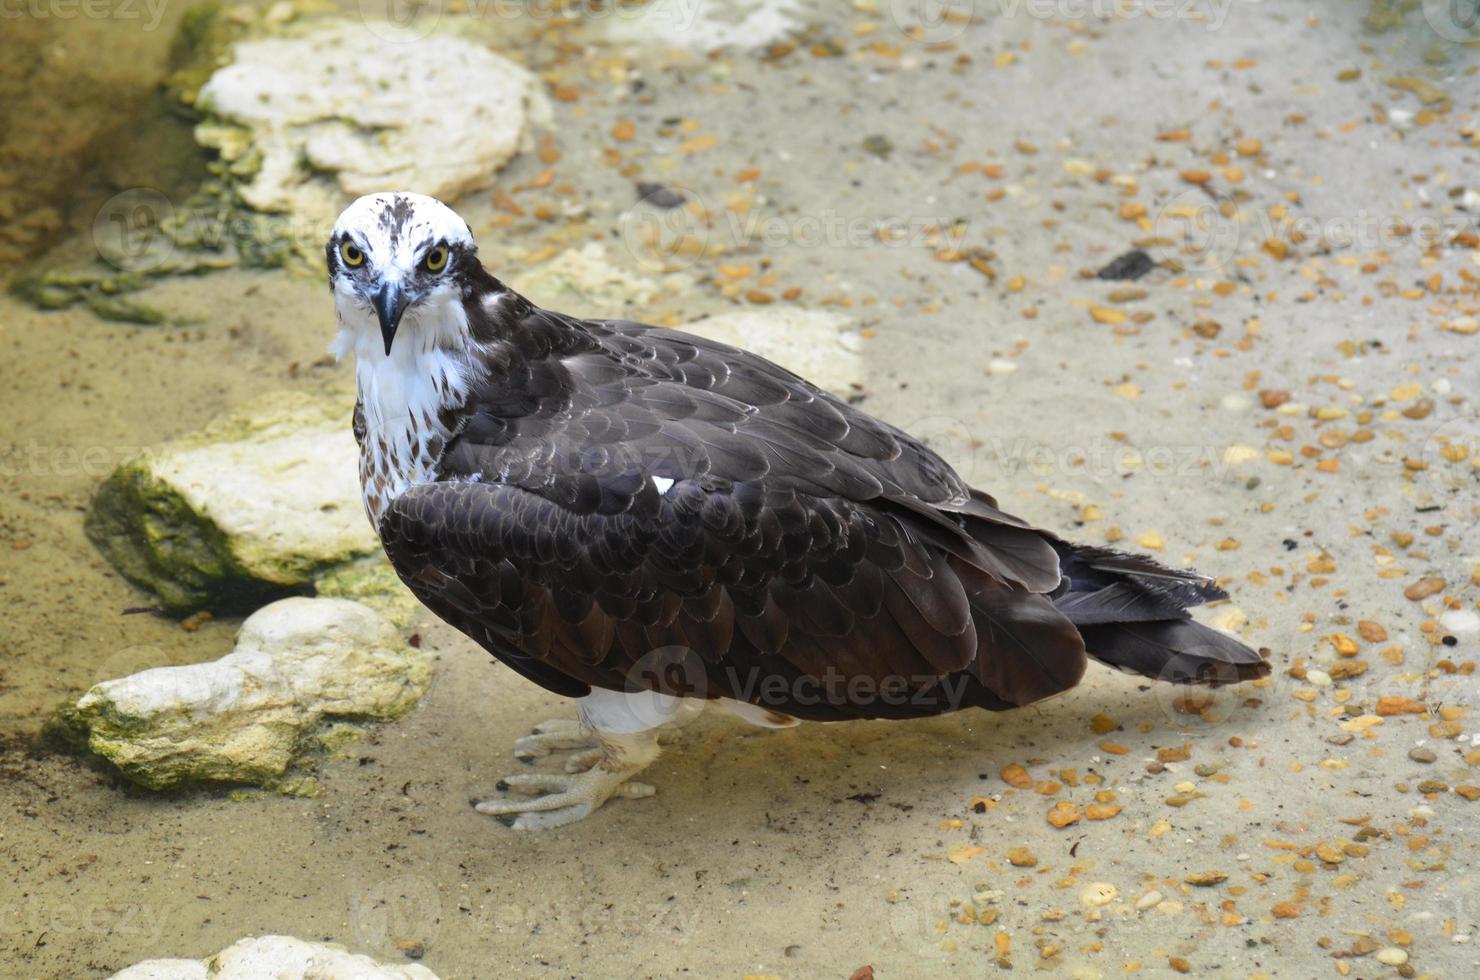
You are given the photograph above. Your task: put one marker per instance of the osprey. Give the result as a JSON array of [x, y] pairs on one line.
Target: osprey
[[644, 520]]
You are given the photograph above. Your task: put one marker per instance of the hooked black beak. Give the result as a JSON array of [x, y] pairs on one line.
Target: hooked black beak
[[390, 304]]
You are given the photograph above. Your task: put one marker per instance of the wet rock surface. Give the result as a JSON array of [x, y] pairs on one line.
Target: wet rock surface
[[249, 716], [276, 956], [253, 506]]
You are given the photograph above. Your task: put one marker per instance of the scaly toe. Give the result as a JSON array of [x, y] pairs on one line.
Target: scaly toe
[[534, 783], [553, 799], [583, 761], [552, 736]]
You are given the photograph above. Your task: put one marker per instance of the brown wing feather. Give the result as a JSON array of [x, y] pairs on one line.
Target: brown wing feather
[[800, 537]]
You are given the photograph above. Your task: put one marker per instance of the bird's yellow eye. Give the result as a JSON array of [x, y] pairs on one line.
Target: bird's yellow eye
[[352, 256], [436, 259]]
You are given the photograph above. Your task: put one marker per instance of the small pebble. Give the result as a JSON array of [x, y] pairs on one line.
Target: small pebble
[[1422, 754], [1461, 621], [1098, 893], [1392, 956], [1149, 900], [1021, 857]]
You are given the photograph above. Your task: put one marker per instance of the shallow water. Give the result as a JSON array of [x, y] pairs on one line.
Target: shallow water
[[812, 852]]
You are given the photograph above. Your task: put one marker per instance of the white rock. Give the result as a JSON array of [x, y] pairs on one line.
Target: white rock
[[820, 346], [584, 282], [345, 111], [1238, 453], [1391, 956], [257, 503], [164, 970], [1461, 621], [703, 25], [280, 957], [246, 717]]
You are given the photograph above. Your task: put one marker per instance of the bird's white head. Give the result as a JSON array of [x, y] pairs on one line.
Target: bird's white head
[[399, 263]]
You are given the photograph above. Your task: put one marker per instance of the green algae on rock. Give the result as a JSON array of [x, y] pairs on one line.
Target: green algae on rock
[[253, 714], [373, 583], [253, 507]]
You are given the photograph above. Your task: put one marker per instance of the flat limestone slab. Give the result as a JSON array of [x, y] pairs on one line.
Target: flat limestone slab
[[819, 346], [351, 109], [257, 957], [705, 26], [252, 507], [247, 717]]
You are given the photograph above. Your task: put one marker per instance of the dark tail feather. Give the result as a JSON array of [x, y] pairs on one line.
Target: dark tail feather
[[1132, 613], [1176, 651]]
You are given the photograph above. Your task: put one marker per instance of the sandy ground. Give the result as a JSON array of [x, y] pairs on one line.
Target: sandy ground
[[1315, 836]]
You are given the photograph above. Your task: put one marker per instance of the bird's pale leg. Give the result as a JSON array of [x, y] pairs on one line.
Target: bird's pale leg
[[562, 798], [557, 735]]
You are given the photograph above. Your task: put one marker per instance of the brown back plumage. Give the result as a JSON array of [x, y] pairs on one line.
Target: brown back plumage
[[799, 538]]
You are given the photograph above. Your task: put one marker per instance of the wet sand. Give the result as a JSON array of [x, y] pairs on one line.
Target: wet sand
[[813, 852]]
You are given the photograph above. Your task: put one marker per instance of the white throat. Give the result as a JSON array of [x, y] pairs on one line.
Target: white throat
[[405, 396]]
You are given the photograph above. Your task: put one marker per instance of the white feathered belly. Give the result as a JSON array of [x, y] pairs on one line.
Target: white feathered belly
[[403, 405]]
